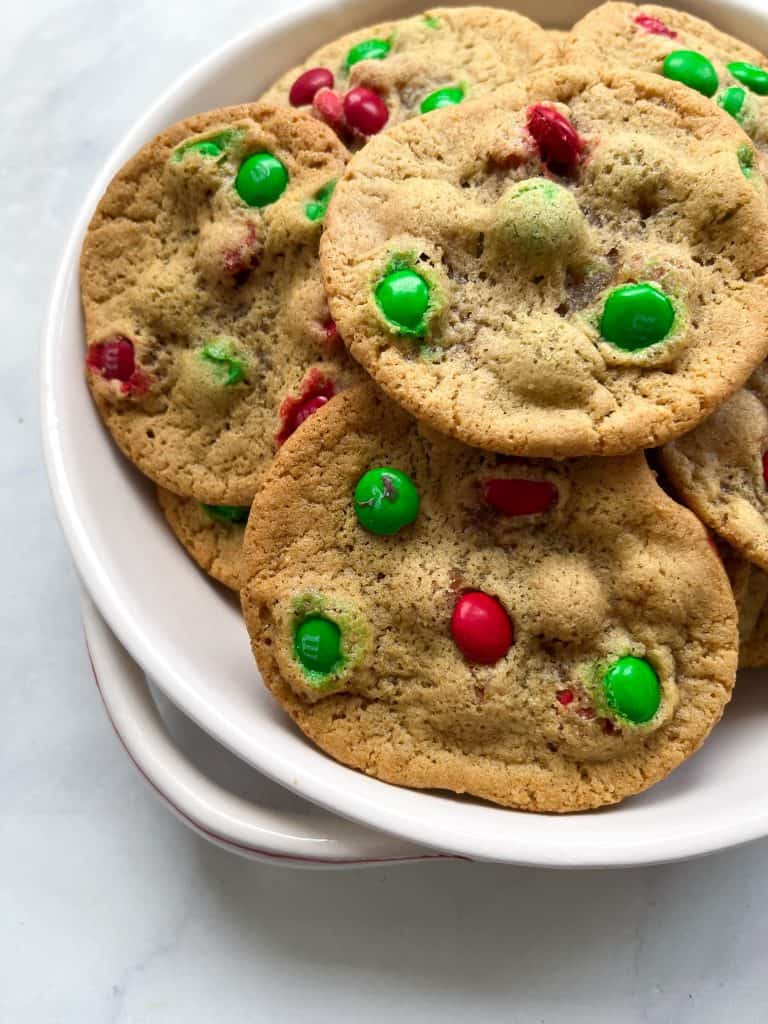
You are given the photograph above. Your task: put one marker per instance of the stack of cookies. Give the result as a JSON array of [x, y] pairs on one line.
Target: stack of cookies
[[400, 343]]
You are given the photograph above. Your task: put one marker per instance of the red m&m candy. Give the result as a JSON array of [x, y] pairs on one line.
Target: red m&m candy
[[365, 111], [559, 144], [765, 468], [113, 359], [519, 497], [304, 88], [329, 107], [316, 390], [481, 628], [654, 26]]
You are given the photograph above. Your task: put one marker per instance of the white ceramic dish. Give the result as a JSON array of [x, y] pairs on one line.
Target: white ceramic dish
[[189, 636], [211, 790]]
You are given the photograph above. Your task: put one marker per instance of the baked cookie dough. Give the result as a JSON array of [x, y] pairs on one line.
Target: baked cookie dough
[[209, 337], [572, 266], [552, 636], [211, 534], [682, 48], [720, 469], [378, 76]]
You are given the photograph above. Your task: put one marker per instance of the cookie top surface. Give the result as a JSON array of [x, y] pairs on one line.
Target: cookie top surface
[[413, 66], [443, 617], [212, 534], [720, 469], [572, 266], [646, 37], [204, 308]]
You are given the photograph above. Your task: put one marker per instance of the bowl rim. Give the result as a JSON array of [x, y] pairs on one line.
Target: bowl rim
[[548, 850]]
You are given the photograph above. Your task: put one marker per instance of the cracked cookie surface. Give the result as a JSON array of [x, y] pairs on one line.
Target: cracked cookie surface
[[208, 329], [573, 266], [441, 617]]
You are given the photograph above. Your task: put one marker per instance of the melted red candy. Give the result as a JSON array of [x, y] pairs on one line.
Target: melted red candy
[[565, 697], [315, 392], [244, 256], [114, 359], [329, 107], [304, 88], [765, 468], [365, 111], [559, 144], [481, 628], [519, 497], [654, 26]]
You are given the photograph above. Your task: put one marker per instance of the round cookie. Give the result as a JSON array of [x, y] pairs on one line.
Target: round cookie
[[646, 37], [209, 337], [720, 469], [552, 636], [573, 266], [381, 75], [212, 534]]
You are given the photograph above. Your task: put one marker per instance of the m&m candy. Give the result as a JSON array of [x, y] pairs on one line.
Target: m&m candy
[[481, 629], [403, 298], [369, 49], [317, 645], [755, 78], [765, 468], [631, 689], [636, 316], [732, 101], [692, 69], [559, 145], [229, 364], [519, 497], [261, 180], [365, 111], [448, 96], [113, 359], [385, 500], [306, 85], [654, 26], [228, 513], [316, 207]]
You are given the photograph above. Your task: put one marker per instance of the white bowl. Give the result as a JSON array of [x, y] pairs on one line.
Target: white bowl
[[213, 792], [189, 637]]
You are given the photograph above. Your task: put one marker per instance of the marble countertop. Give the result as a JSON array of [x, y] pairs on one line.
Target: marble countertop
[[111, 910]]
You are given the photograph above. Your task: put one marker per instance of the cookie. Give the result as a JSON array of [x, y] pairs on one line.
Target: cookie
[[209, 337], [573, 266], [720, 469], [750, 591], [547, 635], [379, 76], [682, 48], [211, 534]]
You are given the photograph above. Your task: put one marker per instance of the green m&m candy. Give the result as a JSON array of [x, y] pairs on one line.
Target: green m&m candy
[[385, 500], [746, 158], [369, 49], [732, 101], [636, 316], [228, 513], [205, 148], [226, 360], [692, 69], [403, 298], [261, 180], [317, 645], [755, 78], [446, 97], [631, 689], [316, 207]]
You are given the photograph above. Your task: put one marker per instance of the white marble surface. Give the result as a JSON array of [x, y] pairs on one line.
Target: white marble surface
[[111, 911]]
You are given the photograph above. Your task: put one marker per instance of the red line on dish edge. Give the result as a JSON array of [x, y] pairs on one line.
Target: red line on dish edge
[[232, 843]]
